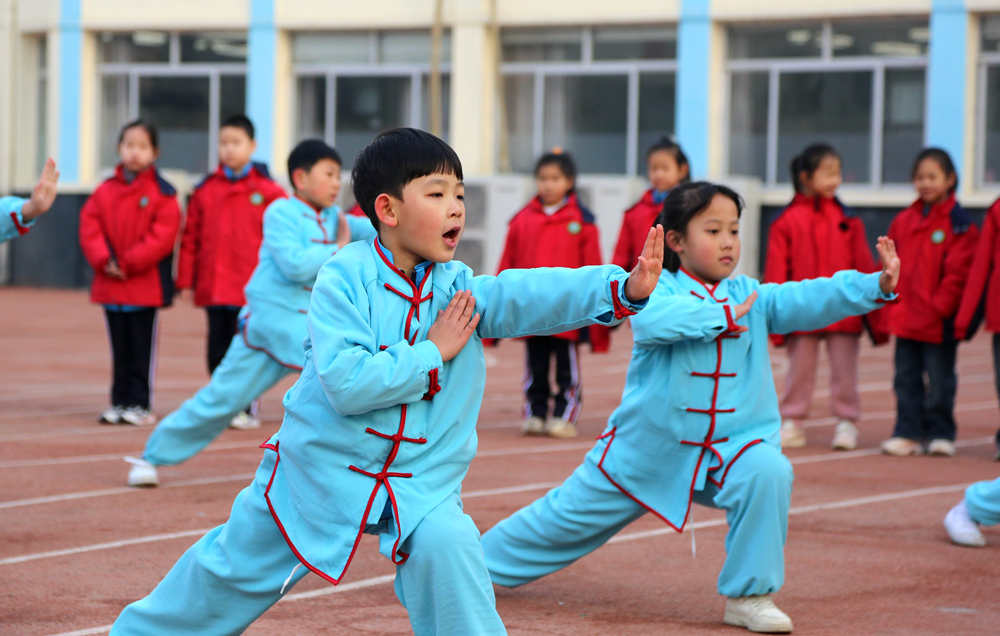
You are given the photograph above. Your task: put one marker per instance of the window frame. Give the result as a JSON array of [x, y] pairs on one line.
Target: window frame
[[985, 63]]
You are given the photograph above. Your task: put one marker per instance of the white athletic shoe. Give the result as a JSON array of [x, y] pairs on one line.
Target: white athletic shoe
[[845, 436], [901, 447], [941, 448], [138, 416], [792, 435], [111, 415], [962, 529], [142, 473], [560, 428], [244, 421], [533, 426], [758, 614]]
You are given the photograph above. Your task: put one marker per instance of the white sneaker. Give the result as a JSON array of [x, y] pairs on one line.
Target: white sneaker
[[142, 473], [533, 426], [901, 447], [961, 528], [244, 421], [559, 428], [757, 613], [941, 448], [111, 415], [792, 435], [845, 436], [138, 416]]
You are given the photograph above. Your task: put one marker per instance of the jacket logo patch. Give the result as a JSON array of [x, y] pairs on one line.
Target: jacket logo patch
[[256, 198], [937, 237], [143, 202], [574, 227]]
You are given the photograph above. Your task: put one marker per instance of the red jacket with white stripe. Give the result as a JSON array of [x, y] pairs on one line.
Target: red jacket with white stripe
[[982, 287], [635, 227]]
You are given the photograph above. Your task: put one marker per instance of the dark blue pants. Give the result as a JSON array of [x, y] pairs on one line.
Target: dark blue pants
[[925, 409]]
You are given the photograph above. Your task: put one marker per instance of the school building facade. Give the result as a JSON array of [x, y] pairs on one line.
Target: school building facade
[[743, 85]]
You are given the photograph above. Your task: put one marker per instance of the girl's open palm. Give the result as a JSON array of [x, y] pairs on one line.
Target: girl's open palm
[[642, 281], [890, 264]]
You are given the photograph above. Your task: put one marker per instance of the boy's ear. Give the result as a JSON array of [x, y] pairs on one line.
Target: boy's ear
[[385, 210], [675, 240], [253, 146], [297, 176]]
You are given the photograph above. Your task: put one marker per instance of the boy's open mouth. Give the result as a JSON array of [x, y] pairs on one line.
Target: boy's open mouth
[[452, 234]]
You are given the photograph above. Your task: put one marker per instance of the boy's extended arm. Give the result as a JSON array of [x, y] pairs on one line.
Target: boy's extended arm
[[12, 224], [361, 228], [296, 257], [672, 317], [812, 304]]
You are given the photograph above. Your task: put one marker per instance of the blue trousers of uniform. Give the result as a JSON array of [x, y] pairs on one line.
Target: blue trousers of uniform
[[982, 500], [236, 571], [586, 510], [243, 376]]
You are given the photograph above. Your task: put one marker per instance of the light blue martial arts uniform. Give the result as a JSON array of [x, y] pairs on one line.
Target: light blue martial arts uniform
[[377, 437], [982, 500], [272, 327], [12, 224], [698, 421]]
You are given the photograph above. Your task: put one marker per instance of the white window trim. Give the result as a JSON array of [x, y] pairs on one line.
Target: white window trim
[[986, 61]]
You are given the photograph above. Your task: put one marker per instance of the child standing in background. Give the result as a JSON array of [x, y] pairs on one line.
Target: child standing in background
[[222, 235], [554, 230], [813, 238], [127, 233], [936, 240], [666, 166], [17, 215]]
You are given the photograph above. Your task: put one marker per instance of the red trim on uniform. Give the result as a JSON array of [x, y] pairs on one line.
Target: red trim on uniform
[[323, 241], [697, 295], [302, 311], [269, 445], [733, 460], [730, 323], [21, 229], [709, 289], [246, 341], [621, 311], [892, 301], [434, 388]]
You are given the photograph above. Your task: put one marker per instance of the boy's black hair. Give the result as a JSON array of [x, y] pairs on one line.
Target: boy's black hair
[[307, 154], [666, 144], [395, 158], [808, 161], [684, 203], [943, 159], [154, 136], [240, 121], [561, 160]]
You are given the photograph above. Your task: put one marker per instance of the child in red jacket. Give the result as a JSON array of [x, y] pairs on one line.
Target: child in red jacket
[[222, 235], [936, 240], [982, 287], [666, 166], [816, 237], [127, 233], [554, 230]]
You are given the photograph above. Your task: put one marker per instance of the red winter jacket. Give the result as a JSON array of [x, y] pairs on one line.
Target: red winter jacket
[[635, 226], [936, 251], [815, 238], [136, 224], [222, 235], [566, 238], [983, 284]]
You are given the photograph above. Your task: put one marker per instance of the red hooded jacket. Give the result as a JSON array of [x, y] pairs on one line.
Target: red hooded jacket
[[814, 237], [222, 235], [983, 284], [566, 238], [635, 226], [936, 251], [135, 223]]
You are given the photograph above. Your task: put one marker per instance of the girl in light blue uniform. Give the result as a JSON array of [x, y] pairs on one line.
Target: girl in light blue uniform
[[17, 215], [699, 419]]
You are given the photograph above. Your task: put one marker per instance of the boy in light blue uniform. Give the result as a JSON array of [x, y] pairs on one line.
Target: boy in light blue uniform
[[18, 215], [979, 507], [300, 234], [379, 430], [699, 419]]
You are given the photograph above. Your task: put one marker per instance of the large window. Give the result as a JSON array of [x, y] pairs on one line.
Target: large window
[[857, 85], [185, 83], [602, 94], [988, 107], [352, 85]]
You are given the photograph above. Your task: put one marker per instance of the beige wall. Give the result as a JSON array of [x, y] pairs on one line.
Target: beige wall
[[797, 9]]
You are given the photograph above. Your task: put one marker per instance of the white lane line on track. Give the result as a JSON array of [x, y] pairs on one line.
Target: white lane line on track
[[621, 538]]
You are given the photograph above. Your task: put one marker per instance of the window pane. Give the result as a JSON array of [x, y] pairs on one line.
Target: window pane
[[990, 34], [656, 111], [831, 107], [179, 106], [586, 115], [114, 114], [351, 47], [991, 171], [232, 96], [748, 124], [213, 47], [792, 40], [519, 101], [541, 45], [903, 123], [365, 107], [635, 43], [411, 47], [311, 119], [425, 104], [896, 38], [141, 46]]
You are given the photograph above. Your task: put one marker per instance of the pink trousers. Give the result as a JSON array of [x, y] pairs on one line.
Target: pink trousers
[[803, 358]]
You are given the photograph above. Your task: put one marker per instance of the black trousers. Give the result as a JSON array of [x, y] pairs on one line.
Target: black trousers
[[925, 410], [131, 334], [221, 329], [540, 351]]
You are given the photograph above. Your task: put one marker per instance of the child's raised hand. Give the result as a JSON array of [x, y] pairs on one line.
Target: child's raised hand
[[343, 230], [44, 193], [454, 325], [642, 281], [886, 249]]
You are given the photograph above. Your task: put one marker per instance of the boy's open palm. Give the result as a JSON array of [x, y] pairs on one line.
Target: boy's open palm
[[454, 325], [644, 276], [890, 264], [44, 193]]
